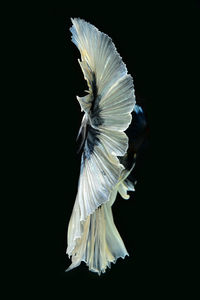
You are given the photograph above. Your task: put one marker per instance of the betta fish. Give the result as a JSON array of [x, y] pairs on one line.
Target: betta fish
[[112, 130]]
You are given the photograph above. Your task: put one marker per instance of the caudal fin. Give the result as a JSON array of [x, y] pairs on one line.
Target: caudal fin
[[99, 244]]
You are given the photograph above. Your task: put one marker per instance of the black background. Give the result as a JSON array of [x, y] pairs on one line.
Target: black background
[[150, 39]]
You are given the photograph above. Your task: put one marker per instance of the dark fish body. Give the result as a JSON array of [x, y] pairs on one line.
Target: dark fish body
[[137, 133]]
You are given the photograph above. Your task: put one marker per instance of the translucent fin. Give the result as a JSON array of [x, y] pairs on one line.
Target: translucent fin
[[99, 175], [124, 187], [85, 103], [115, 142], [101, 61], [92, 235], [100, 243], [117, 104]]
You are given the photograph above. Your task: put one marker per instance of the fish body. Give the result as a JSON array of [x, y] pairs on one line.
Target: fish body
[[109, 107]]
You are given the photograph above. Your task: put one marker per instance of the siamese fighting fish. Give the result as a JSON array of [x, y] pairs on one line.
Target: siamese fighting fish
[[108, 157]]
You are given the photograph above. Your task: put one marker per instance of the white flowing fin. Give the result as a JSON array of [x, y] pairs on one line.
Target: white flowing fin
[[96, 241], [101, 62], [115, 142], [99, 174], [117, 104], [99, 243], [108, 106], [82, 129], [85, 103], [124, 187]]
